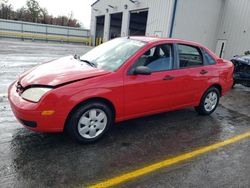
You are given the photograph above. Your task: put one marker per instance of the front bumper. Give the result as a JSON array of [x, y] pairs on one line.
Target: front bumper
[[30, 115]]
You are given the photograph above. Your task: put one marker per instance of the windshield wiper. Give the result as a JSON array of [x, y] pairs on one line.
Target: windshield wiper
[[88, 62], [85, 61]]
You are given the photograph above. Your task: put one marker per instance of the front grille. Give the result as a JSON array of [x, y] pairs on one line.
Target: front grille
[[32, 124]]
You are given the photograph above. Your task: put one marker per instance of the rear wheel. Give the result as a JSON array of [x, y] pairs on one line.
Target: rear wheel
[[209, 101], [88, 123]]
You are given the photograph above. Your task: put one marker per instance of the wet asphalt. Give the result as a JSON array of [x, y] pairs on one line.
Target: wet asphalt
[[29, 159]]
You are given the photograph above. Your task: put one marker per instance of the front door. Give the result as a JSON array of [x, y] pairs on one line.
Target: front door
[[145, 94]]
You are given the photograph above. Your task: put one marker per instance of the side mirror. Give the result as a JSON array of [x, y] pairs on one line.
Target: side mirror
[[143, 70]]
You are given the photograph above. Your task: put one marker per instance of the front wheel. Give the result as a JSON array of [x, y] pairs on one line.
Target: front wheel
[[88, 123], [209, 101]]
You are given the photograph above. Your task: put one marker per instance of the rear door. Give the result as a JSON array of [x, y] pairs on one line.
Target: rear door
[[192, 75]]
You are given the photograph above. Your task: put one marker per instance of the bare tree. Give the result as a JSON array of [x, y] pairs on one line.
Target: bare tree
[[23, 14], [6, 11], [44, 14]]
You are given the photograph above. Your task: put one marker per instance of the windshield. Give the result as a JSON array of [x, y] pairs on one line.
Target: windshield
[[112, 54]]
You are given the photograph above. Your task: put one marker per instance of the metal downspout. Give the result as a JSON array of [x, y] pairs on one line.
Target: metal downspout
[[173, 19]]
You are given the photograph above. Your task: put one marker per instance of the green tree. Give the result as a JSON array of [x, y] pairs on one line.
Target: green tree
[[34, 9], [32, 12]]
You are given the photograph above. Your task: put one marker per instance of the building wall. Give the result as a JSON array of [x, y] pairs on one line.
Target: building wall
[[198, 20], [159, 15], [235, 27], [209, 22]]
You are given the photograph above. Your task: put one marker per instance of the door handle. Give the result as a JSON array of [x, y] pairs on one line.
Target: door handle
[[203, 72], [168, 78]]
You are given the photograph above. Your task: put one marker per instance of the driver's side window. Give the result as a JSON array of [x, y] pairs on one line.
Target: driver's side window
[[158, 58]]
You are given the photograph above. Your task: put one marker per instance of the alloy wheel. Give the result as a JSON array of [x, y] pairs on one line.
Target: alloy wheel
[[92, 123], [211, 101]]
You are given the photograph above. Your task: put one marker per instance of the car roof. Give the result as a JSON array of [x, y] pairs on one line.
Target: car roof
[[144, 39], [148, 39], [157, 39]]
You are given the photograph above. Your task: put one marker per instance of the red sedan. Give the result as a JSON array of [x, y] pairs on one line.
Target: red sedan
[[121, 79]]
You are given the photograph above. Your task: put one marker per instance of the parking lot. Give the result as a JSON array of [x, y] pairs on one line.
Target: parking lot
[[29, 159]]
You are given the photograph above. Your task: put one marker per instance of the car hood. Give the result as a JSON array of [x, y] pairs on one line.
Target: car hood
[[59, 71]]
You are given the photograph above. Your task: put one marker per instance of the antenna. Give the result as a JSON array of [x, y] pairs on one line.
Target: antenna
[[129, 34]]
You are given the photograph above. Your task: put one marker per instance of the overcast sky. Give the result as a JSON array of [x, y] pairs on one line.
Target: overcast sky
[[81, 8]]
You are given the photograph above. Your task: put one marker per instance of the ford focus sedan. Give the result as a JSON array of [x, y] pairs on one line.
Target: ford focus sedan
[[121, 79]]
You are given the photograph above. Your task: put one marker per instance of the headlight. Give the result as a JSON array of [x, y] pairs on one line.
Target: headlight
[[35, 94]]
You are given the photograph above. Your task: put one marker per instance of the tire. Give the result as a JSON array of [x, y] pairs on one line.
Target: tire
[[90, 122], [209, 102]]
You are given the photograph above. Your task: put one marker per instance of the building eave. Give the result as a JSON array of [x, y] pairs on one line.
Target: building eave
[[95, 3]]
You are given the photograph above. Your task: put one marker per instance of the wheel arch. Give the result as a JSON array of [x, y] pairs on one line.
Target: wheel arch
[[94, 99], [218, 86]]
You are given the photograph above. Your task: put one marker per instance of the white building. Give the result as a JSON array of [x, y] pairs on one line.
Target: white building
[[221, 25]]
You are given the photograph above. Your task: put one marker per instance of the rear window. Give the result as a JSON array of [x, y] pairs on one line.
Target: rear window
[[189, 56], [208, 58]]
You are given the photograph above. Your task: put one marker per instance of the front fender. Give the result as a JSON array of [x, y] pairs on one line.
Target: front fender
[[114, 96], [91, 93]]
